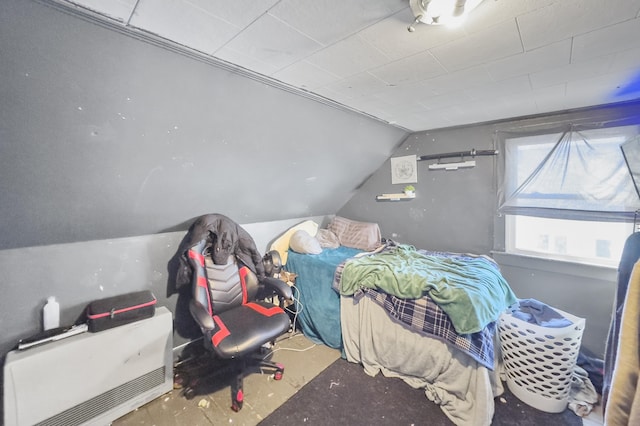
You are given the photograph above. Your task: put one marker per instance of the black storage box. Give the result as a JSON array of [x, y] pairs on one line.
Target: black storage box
[[119, 310]]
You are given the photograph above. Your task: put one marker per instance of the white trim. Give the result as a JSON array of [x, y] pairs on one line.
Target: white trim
[[600, 272]]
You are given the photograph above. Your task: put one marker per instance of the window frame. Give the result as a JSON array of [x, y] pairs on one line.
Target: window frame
[[510, 236], [508, 221]]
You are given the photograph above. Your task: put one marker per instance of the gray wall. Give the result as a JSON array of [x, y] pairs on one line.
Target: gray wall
[[77, 273], [110, 145], [457, 211], [107, 140], [103, 135]]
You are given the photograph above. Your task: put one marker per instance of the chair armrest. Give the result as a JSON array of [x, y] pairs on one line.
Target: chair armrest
[[201, 315], [279, 286]]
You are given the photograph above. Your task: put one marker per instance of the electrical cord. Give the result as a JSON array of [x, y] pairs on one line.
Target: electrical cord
[[297, 304]]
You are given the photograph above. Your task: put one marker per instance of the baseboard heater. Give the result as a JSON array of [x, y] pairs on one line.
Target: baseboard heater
[[90, 378]]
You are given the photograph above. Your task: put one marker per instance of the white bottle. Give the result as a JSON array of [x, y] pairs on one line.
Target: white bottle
[[51, 314]]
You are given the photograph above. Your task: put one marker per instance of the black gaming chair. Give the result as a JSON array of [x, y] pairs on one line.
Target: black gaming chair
[[228, 305]]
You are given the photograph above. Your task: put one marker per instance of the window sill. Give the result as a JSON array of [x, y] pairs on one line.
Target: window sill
[[600, 272]]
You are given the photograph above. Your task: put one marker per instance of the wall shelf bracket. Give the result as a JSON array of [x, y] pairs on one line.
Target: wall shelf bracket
[[395, 197], [459, 164]]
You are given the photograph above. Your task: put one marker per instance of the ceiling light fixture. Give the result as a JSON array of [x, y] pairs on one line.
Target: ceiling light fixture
[[441, 12]]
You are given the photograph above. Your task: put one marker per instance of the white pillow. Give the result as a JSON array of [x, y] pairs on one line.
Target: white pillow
[[281, 244], [302, 242]]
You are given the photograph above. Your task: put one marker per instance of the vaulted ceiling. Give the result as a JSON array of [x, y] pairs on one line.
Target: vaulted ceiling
[[511, 58]]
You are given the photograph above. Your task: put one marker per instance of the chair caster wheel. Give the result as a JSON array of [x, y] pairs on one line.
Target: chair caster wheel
[[180, 380], [237, 400], [279, 372], [189, 393]]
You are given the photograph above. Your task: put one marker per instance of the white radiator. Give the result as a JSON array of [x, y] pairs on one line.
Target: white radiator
[[90, 378]]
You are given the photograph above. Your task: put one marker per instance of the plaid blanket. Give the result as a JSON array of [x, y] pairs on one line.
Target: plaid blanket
[[425, 316]]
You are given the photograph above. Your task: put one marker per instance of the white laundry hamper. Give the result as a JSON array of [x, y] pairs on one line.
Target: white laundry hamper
[[539, 361]]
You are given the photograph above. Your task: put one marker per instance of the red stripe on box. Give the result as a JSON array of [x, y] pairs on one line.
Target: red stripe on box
[[123, 310]]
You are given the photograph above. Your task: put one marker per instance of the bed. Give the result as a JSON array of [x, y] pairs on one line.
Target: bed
[[353, 309]]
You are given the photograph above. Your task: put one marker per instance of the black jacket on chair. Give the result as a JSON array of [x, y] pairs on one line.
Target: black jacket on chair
[[226, 238]]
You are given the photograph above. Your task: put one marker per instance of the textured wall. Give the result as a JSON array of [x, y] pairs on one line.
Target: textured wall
[[105, 136], [457, 211]]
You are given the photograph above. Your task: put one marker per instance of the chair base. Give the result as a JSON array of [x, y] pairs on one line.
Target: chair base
[[195, 375]]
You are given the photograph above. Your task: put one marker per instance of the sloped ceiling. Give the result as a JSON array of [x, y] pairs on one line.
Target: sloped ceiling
[[511, 58]]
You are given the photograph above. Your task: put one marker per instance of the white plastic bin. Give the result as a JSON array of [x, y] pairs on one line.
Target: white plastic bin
[[539, 361]]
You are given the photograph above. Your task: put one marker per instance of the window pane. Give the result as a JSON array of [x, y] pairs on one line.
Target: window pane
[[586, 241]]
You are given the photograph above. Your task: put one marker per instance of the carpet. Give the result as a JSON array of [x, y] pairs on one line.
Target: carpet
[[343, 394]]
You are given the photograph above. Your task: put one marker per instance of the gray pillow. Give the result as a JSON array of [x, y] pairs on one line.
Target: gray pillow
[[302, 242], [355, 234], [327, 239]]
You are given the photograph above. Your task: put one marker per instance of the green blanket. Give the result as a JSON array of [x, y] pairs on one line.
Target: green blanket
[[470, 290]]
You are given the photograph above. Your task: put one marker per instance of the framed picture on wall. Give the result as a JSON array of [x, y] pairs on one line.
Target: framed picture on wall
[[404, 169]]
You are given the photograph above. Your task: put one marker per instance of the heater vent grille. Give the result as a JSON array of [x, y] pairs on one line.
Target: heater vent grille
[[106, 401]]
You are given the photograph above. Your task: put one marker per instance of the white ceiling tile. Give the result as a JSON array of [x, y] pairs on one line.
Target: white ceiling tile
[[482, 111], [490, 44], [237, 12], [491, 12], [270, 41], [395, 112], [444, 101], [598, 90], [507, 106], [626, 60], [347, 57], [628, 86], [372, 106], [306, 75], [570, 72], [510, 57], [119, 10], [614, 38], [550, 98], [462, 113], [550, 56], [337, 95], [419, 122], [183, 23], [457, 80], [408, 94], [393, 39], [360, 84], [410, 70], [243, 60], [328, 21], [566, 18], [511, 87]]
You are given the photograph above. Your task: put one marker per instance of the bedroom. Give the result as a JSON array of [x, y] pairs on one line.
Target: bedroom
[[112, 144]]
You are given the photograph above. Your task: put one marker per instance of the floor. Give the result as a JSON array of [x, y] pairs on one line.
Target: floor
[[303, 361]]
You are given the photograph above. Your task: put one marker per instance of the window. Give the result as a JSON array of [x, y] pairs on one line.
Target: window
[[564, 239], [568, 195]]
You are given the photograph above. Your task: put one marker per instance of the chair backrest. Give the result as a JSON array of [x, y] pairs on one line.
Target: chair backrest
[[220, 287]]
